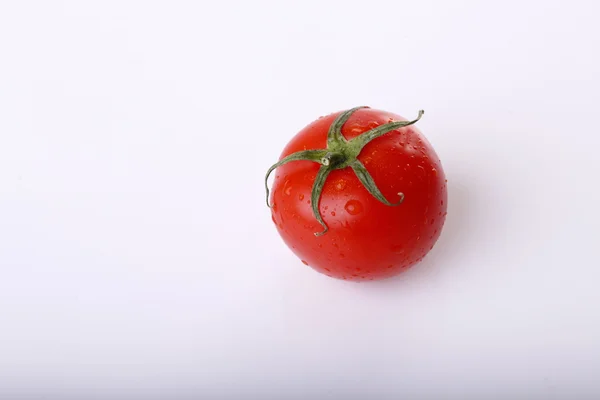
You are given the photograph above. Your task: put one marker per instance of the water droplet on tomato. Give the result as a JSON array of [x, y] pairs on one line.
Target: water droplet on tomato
[[304, 262], [353, 207], [398, 248], [288, 190], [301, 196], [340, 185], [333, 213], [432, 221], [434, 171]]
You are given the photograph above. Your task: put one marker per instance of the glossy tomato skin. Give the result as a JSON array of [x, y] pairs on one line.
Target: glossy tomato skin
[[366, 240]]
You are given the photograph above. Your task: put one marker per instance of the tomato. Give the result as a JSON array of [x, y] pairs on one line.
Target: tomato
[[359, 194]]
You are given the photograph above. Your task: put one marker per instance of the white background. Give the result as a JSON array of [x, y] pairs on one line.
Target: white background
[[137, 257]]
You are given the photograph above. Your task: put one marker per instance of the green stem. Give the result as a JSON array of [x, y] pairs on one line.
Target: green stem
[[315, 196], [308, 155], [367, 137], [367, 180], [341, 153], [334, 136]]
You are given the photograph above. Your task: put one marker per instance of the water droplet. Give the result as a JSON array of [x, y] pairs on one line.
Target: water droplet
[[432, 221], [274, 207], [398, 248], [442, 202], [327, 269], [390, 266], [353, 207], [325, 208], [301, 196], [434, 171], [342, 255], [358, 269], [288, 190], [333, 213], [340, 185], [304, 262]]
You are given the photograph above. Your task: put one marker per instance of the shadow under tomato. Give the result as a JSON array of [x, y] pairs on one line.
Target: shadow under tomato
[[453, 242]]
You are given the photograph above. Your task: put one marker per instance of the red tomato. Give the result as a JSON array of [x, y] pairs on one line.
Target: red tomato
[[334, 187]]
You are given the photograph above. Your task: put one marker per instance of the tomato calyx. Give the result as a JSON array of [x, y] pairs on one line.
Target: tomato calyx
[[341, 153]]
